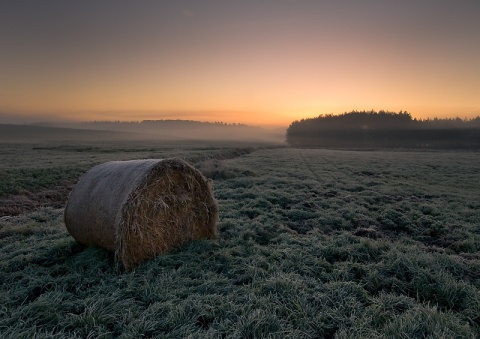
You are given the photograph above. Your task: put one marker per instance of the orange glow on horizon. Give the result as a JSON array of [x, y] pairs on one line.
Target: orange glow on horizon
[[263, 119], [249, 63]]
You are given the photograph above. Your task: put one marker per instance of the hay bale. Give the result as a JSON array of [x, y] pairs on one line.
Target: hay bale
[[141, 208]]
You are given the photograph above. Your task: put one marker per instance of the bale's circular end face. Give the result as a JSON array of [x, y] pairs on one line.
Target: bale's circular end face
[[141, 208]]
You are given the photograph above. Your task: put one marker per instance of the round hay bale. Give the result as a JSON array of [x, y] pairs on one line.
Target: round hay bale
[[141, 208]]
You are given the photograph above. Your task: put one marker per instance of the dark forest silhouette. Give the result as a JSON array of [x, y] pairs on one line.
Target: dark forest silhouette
[[383, 129]]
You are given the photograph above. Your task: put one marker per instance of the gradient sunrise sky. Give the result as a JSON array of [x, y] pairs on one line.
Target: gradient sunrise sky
[[257, 62]]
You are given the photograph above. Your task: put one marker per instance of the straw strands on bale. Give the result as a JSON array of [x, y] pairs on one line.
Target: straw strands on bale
[[141, 208]]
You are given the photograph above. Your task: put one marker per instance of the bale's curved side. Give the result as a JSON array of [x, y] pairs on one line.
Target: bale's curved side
[[93, 208], [141, 208]]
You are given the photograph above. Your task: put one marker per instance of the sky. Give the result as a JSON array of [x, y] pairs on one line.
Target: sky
[[261, 62]]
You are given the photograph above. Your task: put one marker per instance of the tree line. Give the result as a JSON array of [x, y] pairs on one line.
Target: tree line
[[384, 129]]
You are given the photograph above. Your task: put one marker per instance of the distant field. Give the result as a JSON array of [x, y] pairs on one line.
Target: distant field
[[312, 243], [28, 133]]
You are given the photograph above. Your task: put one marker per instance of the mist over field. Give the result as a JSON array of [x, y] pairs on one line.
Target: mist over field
[[165, 130], [350, 130]]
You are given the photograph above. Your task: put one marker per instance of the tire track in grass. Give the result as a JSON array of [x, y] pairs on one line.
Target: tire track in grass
[[309, 167]]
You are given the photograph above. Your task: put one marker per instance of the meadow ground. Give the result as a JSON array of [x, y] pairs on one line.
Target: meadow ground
[[311, 244]]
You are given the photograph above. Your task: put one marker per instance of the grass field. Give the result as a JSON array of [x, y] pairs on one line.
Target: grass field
[[311, 244]]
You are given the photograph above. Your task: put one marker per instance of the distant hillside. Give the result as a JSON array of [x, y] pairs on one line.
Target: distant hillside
[[32, 132], [384, 130]]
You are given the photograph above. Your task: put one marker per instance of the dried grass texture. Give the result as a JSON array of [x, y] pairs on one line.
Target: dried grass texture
[[141, 208]]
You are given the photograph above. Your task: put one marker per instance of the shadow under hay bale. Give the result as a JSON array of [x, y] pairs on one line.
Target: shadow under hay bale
[[141, 208]]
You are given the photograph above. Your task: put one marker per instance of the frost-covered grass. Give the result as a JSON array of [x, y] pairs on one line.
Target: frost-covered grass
[[312, 243]]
